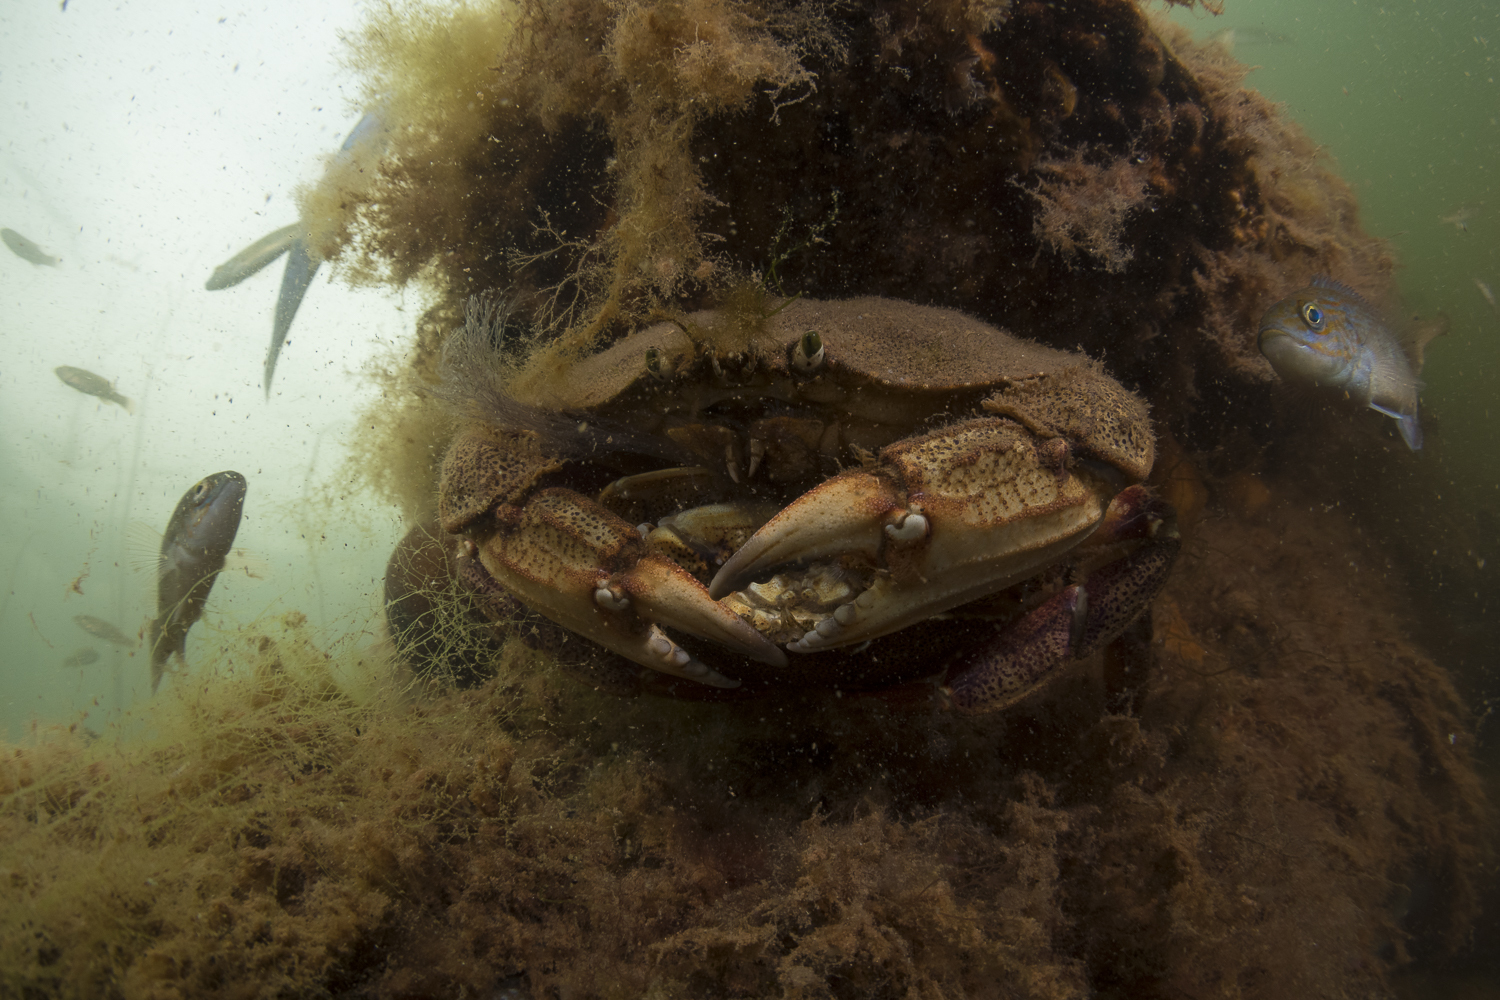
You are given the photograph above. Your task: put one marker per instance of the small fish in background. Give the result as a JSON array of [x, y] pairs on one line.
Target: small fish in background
[[101, 629], [90, 384], [1459, 219], [1230, 38], [27, 250], [81, 658], [1328, 334], [197, 539], [260, 254], [1489, 295]]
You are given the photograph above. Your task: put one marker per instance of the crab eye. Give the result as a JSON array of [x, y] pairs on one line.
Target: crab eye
[[807, 354], [654, 363], [1312, 315]]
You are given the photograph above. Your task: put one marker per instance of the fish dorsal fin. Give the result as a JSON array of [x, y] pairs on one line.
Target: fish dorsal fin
[[1324, 281], [1416, 335]]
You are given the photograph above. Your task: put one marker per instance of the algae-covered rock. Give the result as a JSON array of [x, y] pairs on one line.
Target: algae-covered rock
[[1286, 807]]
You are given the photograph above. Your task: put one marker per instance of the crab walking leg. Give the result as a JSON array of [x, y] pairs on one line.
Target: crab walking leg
[[949, 516], [571, 560], [1070, 626]]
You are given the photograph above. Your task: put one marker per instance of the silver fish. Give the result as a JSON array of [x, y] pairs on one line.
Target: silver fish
[[302, 264], [27, 250], [1488, 293], [101, 629], [1327, 334], [197, 538], [81, 658], [301, 267], [257, 255], [1459, 219], [90, 384]]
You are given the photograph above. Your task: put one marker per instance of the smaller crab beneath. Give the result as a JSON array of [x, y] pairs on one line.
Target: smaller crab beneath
[[866, 485]]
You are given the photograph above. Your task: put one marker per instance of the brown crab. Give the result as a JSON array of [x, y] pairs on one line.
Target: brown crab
[[846, 493]]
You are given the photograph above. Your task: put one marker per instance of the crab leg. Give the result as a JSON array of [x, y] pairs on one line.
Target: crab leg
[[1071, 625], [950, 516], [571, 560]]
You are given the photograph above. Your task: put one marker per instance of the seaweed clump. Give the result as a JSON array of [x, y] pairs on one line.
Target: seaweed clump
[[1076, 173], [1291, 810]]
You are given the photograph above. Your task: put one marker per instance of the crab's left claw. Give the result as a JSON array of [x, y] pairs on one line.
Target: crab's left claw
[[947, 517]]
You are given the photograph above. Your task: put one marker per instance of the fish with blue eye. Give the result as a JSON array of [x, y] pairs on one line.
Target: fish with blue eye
[[1327, 334], [302, 263]]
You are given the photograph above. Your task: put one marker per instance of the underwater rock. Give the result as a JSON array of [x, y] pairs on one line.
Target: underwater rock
[[1074, 172], [1285, 804]]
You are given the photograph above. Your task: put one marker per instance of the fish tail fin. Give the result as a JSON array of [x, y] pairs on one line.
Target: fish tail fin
[[162, 651], [301, 267], [127, 403], [1411, 431]]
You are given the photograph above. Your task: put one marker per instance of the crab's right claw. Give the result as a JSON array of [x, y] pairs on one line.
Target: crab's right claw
[[571, 560], [945, 518]]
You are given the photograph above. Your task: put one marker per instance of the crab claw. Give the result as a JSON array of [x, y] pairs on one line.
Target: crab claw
[[571, 560], [948, 517], [842, 516]]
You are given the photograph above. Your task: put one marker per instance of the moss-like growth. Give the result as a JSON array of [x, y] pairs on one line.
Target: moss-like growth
[[1292, 811]]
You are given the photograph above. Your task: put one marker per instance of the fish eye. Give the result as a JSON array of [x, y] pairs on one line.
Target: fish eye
[[1312, 315], [807, 353]]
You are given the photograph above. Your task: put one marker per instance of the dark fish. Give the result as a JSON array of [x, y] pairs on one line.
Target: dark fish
[[257, 255], [90, 384], [1327, 334], [27, 250], [101, 629], [81, 658], [197, 539]]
